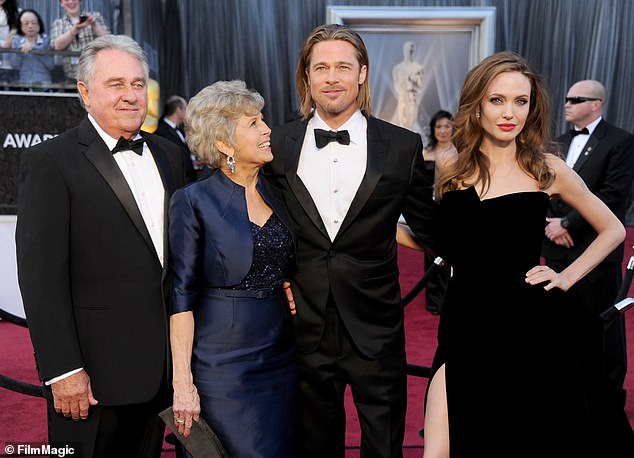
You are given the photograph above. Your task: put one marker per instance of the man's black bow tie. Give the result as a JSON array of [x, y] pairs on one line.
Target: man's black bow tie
[[125, 145], [323, 137], [575, 132]]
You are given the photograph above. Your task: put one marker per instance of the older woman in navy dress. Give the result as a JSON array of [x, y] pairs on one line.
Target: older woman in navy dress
[[231, 335]]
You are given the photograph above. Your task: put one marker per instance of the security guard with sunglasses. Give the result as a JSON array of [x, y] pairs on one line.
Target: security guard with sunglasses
[[603, 156]]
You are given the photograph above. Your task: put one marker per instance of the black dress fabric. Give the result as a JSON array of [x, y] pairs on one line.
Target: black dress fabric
[[517, 385]]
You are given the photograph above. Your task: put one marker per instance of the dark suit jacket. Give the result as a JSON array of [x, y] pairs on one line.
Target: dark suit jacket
[[166, 131], [210, 236], [359, 268], [606, 165], [91, 281]]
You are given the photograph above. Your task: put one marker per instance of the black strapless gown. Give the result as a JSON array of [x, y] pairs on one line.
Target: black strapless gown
[[520, 378]]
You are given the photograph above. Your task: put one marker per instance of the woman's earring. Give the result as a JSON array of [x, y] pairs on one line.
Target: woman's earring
[[231, 162], [478, 113]]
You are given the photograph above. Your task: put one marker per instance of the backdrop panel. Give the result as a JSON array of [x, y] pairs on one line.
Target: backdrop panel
[[26, 119]]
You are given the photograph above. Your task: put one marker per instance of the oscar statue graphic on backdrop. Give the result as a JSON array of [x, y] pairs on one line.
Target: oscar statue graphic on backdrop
[[408, 80]]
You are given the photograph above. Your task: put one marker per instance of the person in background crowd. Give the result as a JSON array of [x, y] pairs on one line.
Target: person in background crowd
[[232, 340], [91, 255], [8, 22], [603, 156], [523, 368], [170, 126], [73, 31], [33, 68], [440, 148], [349, 322]]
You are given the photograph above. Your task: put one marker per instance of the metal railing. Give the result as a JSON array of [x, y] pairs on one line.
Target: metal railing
[[9, 76]]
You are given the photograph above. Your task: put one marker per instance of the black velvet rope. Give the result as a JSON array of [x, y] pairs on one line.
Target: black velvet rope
[[29, 389], [6, 316], [418, 287], [40, 392]]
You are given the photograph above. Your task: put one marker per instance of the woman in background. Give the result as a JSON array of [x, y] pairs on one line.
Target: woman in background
[[8, 22], [440, 148], [232, 343], [33, 68]]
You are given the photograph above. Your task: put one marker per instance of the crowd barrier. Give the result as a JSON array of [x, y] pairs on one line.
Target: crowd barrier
[[38, 391]]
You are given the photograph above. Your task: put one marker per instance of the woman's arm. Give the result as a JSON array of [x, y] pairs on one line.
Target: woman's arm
[[405, 237], [610, 232], [186, 400]]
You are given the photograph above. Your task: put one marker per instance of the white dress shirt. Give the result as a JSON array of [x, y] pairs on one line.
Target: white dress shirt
[[578, 143], [333, 173]]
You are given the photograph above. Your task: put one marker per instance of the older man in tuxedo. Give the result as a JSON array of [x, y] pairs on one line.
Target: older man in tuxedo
[[91, 255], [603, 156], [346, 177]]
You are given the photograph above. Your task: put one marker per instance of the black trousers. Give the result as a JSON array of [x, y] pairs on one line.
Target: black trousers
[[379, 391], [129, 431]]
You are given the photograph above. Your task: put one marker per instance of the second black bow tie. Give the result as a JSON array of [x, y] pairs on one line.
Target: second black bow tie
[[575, 132], [323, 137], [125, 145]]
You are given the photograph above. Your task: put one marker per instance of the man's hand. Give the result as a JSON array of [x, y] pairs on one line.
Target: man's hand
[[72, 396], [558, 234], [289, 296]]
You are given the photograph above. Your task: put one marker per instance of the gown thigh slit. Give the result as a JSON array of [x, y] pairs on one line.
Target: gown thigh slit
[[518, 373]]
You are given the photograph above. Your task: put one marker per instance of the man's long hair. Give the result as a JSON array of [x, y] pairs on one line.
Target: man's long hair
[[326, 33]]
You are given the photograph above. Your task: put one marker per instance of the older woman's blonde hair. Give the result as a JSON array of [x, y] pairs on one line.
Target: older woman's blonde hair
[[212, 114]]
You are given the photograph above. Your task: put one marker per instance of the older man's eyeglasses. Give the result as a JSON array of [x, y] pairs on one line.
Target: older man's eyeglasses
[[578, 100]]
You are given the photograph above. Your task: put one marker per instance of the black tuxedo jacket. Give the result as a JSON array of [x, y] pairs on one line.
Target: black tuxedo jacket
[[359, 267], [606, 165], [91, 280], [166, 131]]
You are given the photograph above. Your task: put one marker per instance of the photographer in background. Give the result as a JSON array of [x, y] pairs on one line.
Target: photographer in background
[[73, 32]]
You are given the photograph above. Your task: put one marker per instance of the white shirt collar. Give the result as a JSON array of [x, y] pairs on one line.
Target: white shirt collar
[[108, 140], [354, 125], [169, 123], [592, 125]]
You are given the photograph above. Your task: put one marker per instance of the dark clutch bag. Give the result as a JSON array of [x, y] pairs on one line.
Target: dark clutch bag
[[202, 442]]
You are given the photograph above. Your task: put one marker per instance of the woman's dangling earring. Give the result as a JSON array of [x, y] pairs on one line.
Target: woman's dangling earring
[[231, 162], [478, 113]]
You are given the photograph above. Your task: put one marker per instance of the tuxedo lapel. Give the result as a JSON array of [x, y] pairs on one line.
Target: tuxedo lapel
[[376, 156], [99, 155], [292, 149], [163, 166], [593, 142], [587, 151], [162, 163]]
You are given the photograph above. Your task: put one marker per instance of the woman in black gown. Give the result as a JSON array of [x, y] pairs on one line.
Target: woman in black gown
[[508, 382], [440, 146], [232, 343]]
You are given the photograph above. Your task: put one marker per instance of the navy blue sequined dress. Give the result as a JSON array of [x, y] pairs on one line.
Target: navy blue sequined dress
[[228, 272], [244, 355]]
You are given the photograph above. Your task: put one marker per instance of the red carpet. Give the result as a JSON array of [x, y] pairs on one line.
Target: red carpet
[[23, 418]]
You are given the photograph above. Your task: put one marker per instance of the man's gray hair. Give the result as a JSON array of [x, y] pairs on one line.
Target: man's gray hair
[[88, 56]]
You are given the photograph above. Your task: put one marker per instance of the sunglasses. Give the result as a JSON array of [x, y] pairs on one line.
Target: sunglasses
[[577, 100]]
